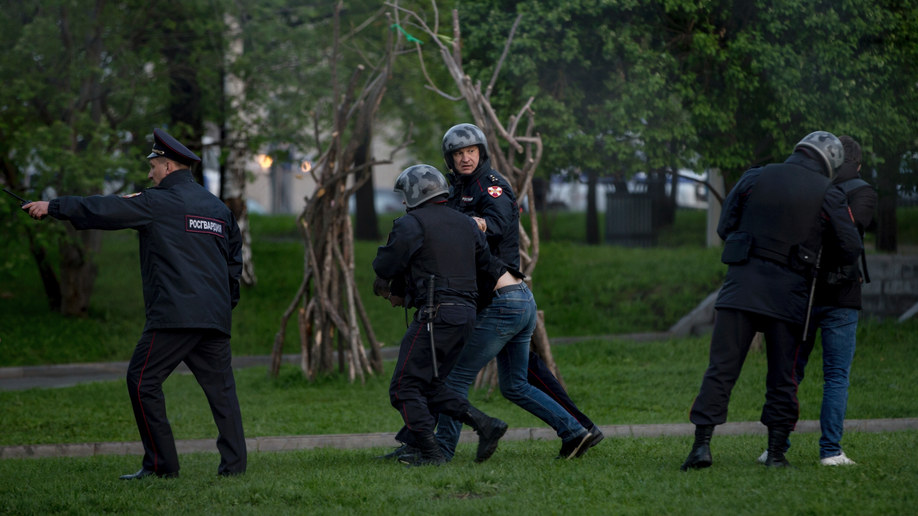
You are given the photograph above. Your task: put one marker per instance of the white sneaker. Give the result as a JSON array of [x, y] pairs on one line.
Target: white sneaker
[[838, 460], [763, 458]]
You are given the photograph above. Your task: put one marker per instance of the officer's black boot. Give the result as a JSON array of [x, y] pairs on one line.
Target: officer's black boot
[[489, 430], [700, 456], [777, 442], [405, 449], [428, 454]]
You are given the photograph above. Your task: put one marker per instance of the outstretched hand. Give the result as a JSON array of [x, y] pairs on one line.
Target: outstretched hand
[[37, 210]]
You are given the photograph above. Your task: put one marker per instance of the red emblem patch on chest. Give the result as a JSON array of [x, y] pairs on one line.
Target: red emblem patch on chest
[[495, 191]]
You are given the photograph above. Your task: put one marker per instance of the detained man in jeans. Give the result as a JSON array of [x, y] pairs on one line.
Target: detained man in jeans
[[835, 311]]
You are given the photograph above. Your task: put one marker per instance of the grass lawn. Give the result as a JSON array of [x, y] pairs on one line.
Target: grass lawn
[[612, 382], [622, 476], [584, 290]]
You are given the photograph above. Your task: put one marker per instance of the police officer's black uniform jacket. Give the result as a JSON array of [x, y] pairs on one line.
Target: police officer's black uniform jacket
[[434, 239], [839, 283], [768, 274], [486, 194], [190, 249]]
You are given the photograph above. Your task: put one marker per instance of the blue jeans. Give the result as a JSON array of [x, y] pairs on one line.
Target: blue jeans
[[504, 330], [839, 332]]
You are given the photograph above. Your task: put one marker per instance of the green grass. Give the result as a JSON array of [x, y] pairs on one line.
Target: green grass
[[622, 476], [612, 382], [584, 290]]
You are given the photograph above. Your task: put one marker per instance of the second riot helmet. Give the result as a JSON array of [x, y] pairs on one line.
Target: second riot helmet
[[420, 183], [828, 149], [461, 136]]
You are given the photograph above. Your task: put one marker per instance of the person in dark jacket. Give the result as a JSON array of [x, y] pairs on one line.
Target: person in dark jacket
[[836, 304], [435, 251], [190, 263], [507, 309], [776, 222]]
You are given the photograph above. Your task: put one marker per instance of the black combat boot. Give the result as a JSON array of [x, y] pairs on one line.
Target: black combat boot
[[777, 444], [700, 456], [428, 452], [489, 430], [405, 449]]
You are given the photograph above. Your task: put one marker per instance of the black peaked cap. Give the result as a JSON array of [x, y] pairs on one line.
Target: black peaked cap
[[165, 146]]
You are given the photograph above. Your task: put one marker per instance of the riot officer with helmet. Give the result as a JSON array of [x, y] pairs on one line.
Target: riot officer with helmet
[[435, 251], [775, 223]]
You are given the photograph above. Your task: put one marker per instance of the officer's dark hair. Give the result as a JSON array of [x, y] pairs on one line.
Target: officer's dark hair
[[178, 165], [852, 149]]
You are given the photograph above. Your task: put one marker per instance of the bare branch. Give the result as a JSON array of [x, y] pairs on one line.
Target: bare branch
[[436, 16], [515, 120], [431, 86], [503, 56], [363, 25]]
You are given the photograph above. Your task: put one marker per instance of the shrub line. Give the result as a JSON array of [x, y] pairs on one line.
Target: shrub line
[[387, 439]]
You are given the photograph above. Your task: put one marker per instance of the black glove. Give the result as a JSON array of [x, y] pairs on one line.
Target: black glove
[[380, 285]]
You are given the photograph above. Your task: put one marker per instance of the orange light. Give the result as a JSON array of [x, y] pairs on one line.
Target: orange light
[[264, 161], [306, 166]]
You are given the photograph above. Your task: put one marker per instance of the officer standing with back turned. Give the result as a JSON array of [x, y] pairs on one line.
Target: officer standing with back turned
[[190, 262], [774, 222]]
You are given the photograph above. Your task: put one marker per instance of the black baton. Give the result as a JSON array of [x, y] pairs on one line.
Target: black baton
[[430, 318], [809, 304], [22, 202]]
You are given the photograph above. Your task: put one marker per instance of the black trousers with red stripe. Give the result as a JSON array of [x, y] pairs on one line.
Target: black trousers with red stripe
[[414, 392], [733, 334], [207, 354]]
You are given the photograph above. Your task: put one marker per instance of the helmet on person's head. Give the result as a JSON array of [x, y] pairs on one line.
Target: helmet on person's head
[[420, 183], [828, 149], [462, 136]]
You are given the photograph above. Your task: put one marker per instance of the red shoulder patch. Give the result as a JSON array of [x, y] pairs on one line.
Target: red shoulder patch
[[495, 191]]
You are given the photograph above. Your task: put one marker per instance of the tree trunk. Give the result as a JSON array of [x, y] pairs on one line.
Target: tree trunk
[[592, 216], [78, 271], [367, 224], [887, 229], [233, 182]]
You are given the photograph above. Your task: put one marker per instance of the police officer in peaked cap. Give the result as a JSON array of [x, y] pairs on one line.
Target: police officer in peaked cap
[[190, 262], [776, 222], [432, 240]]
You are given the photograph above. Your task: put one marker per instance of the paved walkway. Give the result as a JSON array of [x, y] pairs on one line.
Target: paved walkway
[[353, 441], [67, 375]]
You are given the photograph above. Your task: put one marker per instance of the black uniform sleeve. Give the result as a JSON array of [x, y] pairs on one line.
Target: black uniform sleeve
[[234, 259], [484, 260], [863, 204], [104, 212], [732, 210], [835, 212], [405, 240], [497, 213]]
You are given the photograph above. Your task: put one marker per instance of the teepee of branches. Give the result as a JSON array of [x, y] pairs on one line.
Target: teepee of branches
[[327, 304], [518, 172]]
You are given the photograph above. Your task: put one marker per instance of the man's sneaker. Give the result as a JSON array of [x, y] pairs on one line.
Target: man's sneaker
[[405, 449], [838, 460], [763, 458], [575, 447]]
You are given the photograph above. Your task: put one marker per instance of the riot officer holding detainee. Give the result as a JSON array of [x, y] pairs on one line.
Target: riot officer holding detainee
[[190, 262], [775, 223], [435, 253]]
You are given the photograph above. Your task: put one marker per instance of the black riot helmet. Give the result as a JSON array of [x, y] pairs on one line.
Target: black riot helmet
[[828, 149], [462, 136], [420, 183]]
